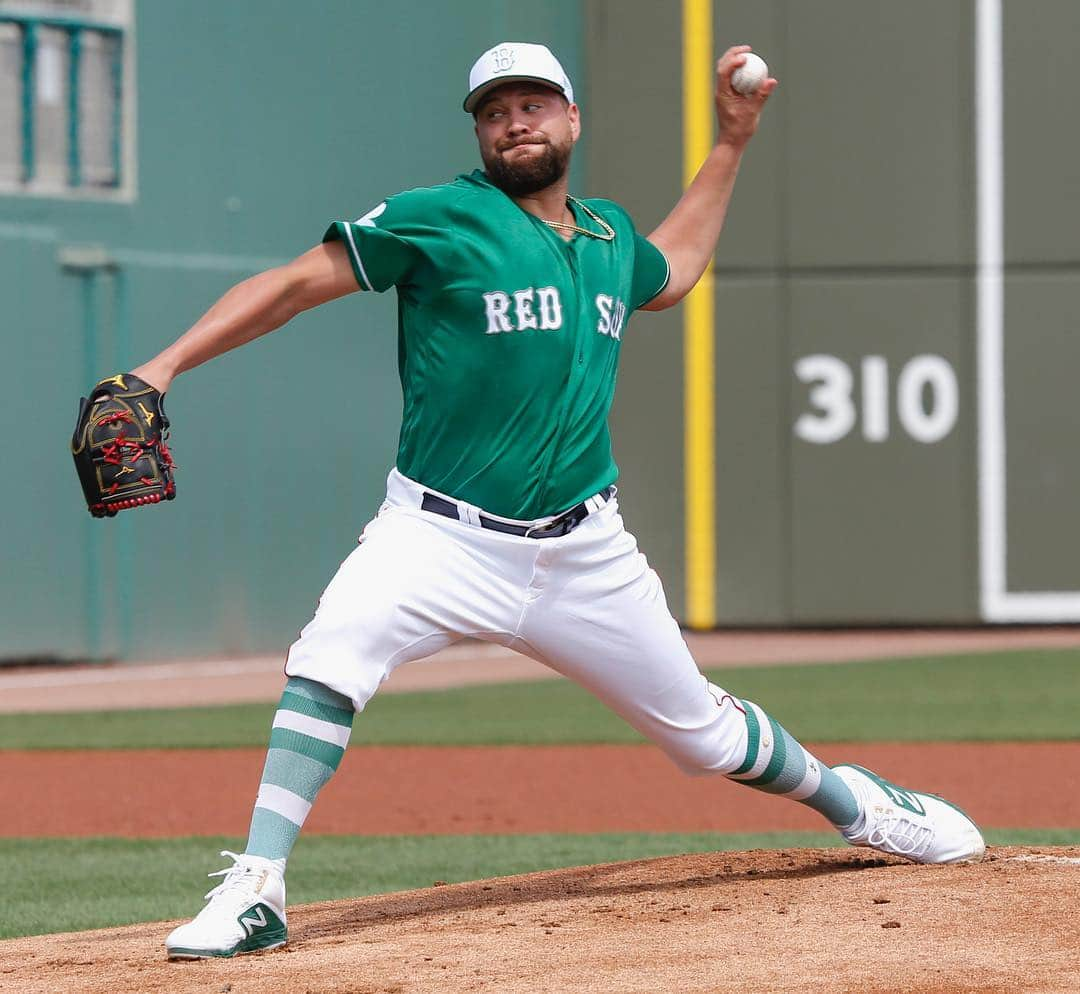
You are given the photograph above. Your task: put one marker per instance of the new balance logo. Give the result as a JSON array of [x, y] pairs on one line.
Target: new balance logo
[[253, 918], [901, 798], [905, 799]]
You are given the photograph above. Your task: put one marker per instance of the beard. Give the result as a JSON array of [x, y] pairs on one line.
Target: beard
[[532, 174]]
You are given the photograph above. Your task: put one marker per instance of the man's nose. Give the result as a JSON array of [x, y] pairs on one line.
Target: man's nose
[[517, 126]]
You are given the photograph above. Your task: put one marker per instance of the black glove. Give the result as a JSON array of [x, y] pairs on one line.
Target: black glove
[[119, 446]]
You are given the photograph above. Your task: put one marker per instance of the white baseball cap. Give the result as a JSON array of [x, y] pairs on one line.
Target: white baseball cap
[[516, 62]]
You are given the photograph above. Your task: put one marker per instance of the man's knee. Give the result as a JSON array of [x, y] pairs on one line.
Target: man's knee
[[702, 754], [717, 745], [336, 666]]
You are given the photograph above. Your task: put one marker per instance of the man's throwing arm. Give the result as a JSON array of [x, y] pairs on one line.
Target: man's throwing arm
[[688, 235]]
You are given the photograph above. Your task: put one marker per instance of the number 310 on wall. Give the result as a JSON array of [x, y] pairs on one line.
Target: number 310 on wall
[[927, 398]]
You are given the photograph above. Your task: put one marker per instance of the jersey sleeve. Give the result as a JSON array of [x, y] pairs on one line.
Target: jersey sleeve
[[380, 251], [651, 272]]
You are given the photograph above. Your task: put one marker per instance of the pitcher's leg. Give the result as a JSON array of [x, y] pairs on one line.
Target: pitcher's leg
[[604, 623], [247, 909], [623, 645], [406, 591], [307, 741], [390, 601]]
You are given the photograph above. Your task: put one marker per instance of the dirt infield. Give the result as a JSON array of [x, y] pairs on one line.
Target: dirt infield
[[506, 789], [800, 922]]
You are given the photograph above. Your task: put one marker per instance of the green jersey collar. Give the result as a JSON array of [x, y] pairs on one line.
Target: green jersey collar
[[582, 218]]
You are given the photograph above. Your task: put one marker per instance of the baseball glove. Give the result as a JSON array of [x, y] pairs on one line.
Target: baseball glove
[[119, 446]]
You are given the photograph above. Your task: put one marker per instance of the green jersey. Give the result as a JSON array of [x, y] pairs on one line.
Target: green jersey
[[508, 339]]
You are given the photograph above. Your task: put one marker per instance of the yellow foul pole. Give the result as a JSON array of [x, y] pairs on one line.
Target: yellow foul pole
[[698, 332]]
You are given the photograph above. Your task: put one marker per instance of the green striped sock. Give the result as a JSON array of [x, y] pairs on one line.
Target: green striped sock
[[311, 730], [777, 764]]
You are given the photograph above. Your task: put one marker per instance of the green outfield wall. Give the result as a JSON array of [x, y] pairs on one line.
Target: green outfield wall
[[894, 300], [887, 449], [256, 122]]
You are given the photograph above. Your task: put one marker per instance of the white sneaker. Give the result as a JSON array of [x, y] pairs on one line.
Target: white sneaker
[[921, 827], [246, 912]]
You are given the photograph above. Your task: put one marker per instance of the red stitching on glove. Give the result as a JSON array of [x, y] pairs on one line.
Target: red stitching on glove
[[115, 416], [166, 455], [113, 453]]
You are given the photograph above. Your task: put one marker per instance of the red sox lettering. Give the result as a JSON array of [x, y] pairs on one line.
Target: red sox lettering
[[541, 308], [612, 315], [548, 315]]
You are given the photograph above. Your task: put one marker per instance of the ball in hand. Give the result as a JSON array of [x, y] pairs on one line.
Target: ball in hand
[[750, 75]]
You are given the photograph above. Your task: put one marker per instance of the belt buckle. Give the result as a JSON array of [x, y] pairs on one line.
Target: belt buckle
[[533, 531], [564, 524], [555, 528]]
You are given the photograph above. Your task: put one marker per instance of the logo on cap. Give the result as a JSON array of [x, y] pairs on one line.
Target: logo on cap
[[503, 59]]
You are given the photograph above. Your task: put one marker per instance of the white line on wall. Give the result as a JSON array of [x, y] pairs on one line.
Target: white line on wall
[[997, 603], [989, 316]]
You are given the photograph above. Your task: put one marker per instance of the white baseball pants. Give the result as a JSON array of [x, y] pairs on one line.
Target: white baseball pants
[[586, 604]]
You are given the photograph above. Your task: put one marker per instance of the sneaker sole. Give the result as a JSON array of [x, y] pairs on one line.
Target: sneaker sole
[[247, 946]]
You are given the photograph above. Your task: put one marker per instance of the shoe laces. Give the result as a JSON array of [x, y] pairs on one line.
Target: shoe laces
[[903, 836], [241, 875]]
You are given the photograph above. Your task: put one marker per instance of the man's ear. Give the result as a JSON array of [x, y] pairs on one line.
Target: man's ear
[[574, 114]]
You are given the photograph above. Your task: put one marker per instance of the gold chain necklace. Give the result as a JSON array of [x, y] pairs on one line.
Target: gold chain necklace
[[607, 235]]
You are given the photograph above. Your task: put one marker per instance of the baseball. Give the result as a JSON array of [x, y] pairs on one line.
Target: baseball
[[750, 75]]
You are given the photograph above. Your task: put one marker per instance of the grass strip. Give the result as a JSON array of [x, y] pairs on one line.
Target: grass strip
[[64, 885], [1017, 695]]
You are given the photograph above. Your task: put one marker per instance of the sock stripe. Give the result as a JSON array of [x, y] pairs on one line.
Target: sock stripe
[[271, 836], [316, 709], [811, 780], [292, 807], [766, 744], [303, 687], [794, 766], [794, 769], [316, 728], [301, 774], [753, 739], [776, 762], [308, 738], [325, 752]]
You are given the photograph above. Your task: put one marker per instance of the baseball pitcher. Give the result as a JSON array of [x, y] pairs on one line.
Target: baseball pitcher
[[501, 520]]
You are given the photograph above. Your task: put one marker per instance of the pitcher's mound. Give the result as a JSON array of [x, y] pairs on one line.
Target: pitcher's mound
[[817, 920]]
